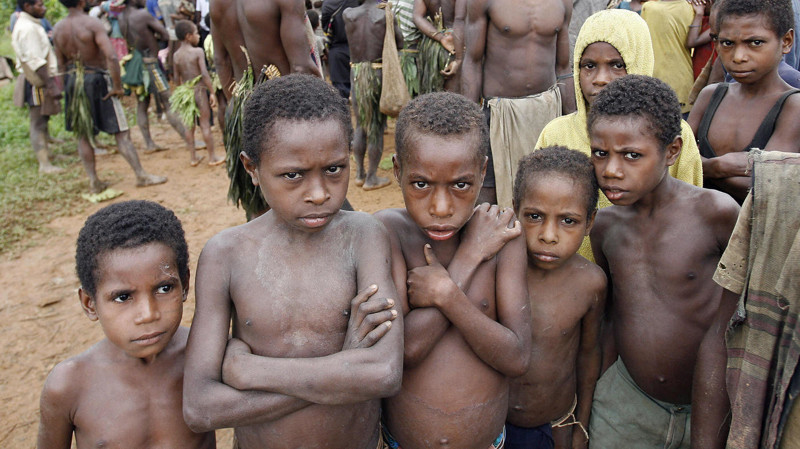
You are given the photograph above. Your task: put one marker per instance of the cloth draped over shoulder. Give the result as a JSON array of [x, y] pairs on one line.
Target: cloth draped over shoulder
[[762, 264], [628, 33]]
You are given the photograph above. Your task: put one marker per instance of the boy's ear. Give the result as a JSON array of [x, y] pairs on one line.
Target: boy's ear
[[186, 287], [250, 167], [396, 167], [590, 222], [674, 150], [787, 41], [483, 169], [88, 304]]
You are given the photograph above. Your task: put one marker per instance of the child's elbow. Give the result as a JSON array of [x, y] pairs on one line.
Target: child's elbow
[[195, 417], [519, 365], [389, 378]]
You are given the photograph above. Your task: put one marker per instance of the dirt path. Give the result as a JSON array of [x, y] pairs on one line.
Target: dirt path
[[43, 323]]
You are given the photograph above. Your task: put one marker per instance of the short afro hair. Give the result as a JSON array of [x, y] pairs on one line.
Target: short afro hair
[[128, 224], [440, 114], [21, 4], [640, 96], [293, 98], [779, 13], [183, 28], [67, 3], [561, 160]]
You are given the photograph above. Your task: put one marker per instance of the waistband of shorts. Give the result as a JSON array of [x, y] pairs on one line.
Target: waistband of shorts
[[485, 100], [668, 406]]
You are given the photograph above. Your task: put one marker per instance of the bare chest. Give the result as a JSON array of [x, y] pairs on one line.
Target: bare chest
[[514, 19], [730, 130], [289, 304]]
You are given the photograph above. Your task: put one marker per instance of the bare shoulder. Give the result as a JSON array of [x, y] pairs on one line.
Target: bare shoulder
[[65, 382], [228, 242], [363, 223], [716, 209], [604, 220], [590, 274], [396, 220]]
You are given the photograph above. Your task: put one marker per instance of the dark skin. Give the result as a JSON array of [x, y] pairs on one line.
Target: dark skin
[[750, 52], [228, 41], [565, 357], [300, 354], [190, 62], [38, 122], [452, 41], [274, 33], [516, 48], [710, 403], [664, 311], [79, 37], [143, 31], [461, 286], [365, 26], [125, 391]]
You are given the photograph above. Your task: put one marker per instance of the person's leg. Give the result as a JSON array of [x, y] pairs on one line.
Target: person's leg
[[86, 153], [173, 119], [38, 133], [359, 151], [49, 138], [222, 106], [203, 104], [144, 125], [127, 151], [375, 151]]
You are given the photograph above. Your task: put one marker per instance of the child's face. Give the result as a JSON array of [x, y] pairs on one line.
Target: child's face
[[600, 64], [748, 47], [304, 173], [440, 180], [139, 298], [554, 218], [628, 159]]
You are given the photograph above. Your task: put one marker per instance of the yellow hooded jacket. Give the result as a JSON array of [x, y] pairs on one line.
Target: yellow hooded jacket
[[629, 34]]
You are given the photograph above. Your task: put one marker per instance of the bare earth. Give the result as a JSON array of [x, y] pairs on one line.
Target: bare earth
[[43, 321]]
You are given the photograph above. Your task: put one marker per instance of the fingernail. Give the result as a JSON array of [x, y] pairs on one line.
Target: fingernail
[[373, 287], [390, 301], [388, 324], [428, 245], [394, 313]]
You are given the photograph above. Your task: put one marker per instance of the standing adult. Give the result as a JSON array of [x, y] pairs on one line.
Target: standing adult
[[515, 54], [36, 60], [338, 48]]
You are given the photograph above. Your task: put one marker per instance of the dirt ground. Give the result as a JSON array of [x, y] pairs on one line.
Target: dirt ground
[[43, 323]]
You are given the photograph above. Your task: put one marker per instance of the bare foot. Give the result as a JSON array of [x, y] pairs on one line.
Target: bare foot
[[378, 184], [359, 181], [196, 162], [215, 162], [98, 186], [150, 180], [50, 169], [154, 149]]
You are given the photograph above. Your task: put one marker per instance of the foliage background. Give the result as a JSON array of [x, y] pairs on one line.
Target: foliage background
[[55, 11]]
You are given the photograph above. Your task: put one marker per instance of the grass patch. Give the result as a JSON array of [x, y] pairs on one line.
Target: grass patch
[[28, 201]]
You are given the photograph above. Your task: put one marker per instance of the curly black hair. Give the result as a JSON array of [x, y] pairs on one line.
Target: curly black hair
[[440, 114], [128, 224], [640, 96], [183, 28], [294, 97], [557, 159], [21, 4], [779, 13]]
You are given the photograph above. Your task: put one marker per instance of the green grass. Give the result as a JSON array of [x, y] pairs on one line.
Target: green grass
[[28, 200]]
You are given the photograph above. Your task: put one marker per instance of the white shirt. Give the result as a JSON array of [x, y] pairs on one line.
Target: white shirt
[[32, 46]]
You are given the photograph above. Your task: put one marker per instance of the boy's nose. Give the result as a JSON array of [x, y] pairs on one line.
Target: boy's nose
[[441, 206], [317, 193], [548, 232], [612, 169], [148, 310], [739, 54]]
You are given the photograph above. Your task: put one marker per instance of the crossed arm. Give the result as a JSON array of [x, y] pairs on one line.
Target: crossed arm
[[267, 388]]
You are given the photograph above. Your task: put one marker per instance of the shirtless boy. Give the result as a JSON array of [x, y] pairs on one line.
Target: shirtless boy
[[365, 26], [659, 243], [296, 373], [140, 30], [515, 54], [555, 196], [82, 39], [126, 390], [752, 37], [460, 285], [190, 62]]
